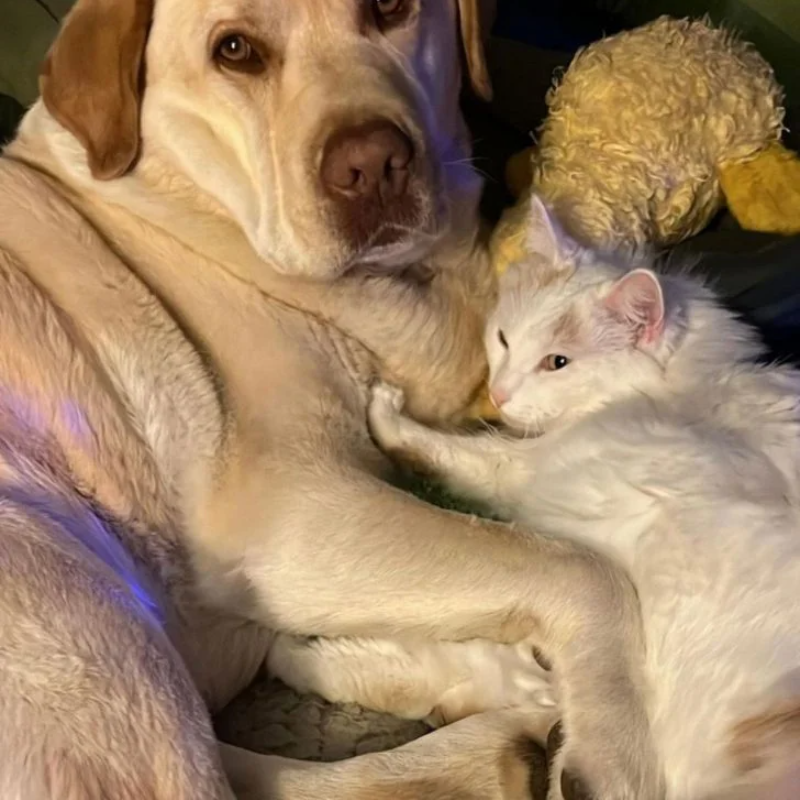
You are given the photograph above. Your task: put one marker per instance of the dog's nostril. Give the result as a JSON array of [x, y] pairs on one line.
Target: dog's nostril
[[398, 161], [371, 160], [351, 179]]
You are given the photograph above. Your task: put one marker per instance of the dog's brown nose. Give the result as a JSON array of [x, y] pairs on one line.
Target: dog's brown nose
[[371, 161]]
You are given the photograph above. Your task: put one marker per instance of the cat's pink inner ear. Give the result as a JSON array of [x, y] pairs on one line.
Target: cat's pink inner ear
[[637, 300]]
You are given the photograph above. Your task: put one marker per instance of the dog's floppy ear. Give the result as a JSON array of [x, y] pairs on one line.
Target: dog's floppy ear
[[475, 17], [92, 80]]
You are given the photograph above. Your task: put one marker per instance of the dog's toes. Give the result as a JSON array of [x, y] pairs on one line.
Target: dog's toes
[[535, 758], [437, 718], [572, 788], [388, 397], [555, 741], [541, 659]]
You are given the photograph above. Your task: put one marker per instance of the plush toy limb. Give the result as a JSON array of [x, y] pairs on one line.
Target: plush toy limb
[[764, 194], [482, 407], [507, 246], [508, 243], [519, 171]]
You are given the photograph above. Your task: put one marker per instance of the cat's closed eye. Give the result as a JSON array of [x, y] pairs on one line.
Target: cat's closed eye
[[502, 338], [554, 362]]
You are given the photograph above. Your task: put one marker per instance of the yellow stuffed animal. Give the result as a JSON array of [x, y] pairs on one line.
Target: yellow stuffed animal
[[649, 133], [764, 193]]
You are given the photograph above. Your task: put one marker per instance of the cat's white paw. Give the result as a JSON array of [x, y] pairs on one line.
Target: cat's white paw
[[500, 676]]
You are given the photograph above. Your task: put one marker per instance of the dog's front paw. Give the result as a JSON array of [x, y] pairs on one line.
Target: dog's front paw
[[385, 407], [564, 785], [610, 764], [497, 676], [386, 399]]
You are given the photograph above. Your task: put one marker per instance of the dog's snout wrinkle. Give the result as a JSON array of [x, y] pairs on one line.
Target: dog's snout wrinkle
[[373, 160]]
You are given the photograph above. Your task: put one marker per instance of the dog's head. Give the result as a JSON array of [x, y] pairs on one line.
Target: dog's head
[[329, 130]]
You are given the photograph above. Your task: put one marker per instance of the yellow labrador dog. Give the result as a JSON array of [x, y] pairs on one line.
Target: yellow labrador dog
[[221, 221]]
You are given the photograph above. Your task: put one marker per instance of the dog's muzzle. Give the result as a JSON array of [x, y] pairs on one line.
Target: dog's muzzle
[[368, 173]]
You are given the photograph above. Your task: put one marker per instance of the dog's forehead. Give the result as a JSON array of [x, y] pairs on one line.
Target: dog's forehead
[[309, 26], [277, 16], [200, 15]]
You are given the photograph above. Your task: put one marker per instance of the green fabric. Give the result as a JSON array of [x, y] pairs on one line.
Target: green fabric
[[58, 8], [10, 115], [437, 495], [27, 27]]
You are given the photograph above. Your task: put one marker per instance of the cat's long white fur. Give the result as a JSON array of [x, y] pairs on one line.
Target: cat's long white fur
[[663, 443]]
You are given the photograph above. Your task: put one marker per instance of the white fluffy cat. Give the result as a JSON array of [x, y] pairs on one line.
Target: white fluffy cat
[[661, 442]]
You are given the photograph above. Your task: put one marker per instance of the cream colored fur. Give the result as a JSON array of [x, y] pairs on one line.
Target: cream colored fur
[[185, 466]]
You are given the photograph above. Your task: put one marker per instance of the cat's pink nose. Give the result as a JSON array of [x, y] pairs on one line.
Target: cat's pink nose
[[498, 397]]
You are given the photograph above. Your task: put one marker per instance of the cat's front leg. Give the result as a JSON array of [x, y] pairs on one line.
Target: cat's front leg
[[485, 467]]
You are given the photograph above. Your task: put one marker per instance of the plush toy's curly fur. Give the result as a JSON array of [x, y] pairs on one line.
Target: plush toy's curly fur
[[641, 122]]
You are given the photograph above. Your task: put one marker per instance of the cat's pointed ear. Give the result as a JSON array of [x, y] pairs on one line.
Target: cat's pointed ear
[[546, 237], [637, 300]]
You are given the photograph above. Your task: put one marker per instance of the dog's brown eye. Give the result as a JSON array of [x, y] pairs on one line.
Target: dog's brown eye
[[501, 337], [554, 362], [236, 52], [389, 9], [235, 48]]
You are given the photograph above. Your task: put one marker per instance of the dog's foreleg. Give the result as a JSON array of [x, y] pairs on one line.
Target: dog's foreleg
[[379, 562], [487, 757], [322, 549], [437, 681]]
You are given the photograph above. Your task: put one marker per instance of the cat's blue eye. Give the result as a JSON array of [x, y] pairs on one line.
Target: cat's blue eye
[[502, 337], [553, 362]]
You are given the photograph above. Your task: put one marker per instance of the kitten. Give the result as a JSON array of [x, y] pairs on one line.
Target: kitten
[[660, 442]]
